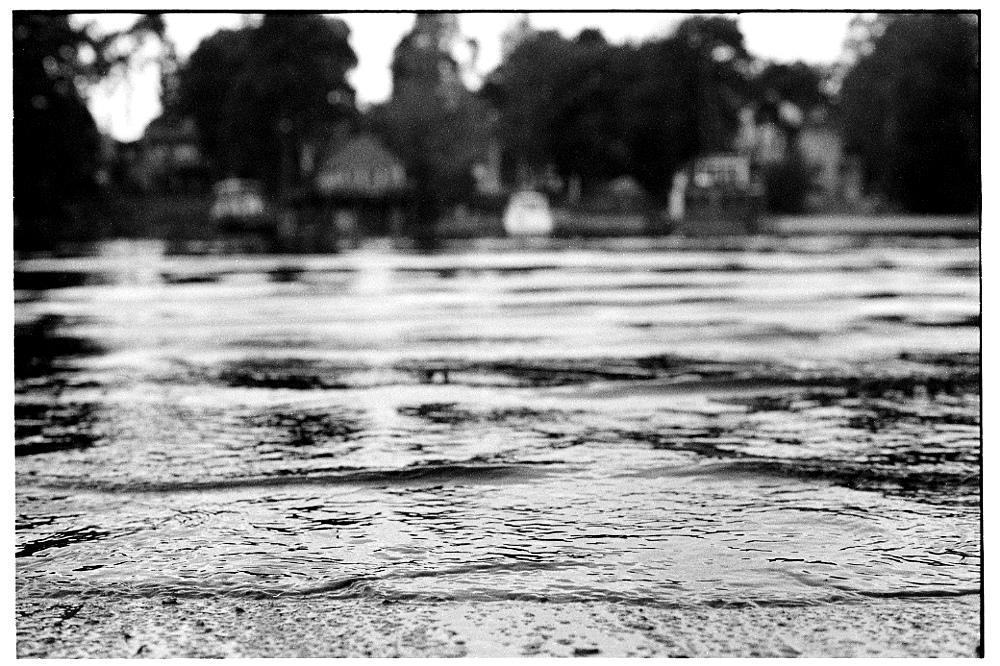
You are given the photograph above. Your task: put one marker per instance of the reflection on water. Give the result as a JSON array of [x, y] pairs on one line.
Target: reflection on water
[[791, 423]]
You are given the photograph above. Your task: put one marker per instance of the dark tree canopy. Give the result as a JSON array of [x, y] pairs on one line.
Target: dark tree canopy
[[56, 142], [55, 138], [798, 83], [910, 110], [437, 127], [666, 125], [523, 89], [596, 110], [260, 94], [589, 144], [422, 58], [204, 86]]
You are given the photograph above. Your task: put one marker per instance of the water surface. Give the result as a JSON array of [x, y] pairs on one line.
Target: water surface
[[790, 422]]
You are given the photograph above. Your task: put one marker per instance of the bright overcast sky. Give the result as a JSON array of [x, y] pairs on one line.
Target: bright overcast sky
[[814, 38]]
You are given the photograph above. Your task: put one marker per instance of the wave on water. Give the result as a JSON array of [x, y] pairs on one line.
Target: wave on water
[[424, 474], [493, 427]]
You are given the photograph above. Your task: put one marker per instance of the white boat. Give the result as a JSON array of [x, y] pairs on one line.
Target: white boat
[[528, 214]]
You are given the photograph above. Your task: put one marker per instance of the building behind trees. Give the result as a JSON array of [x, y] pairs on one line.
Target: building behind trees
[[594, 125]]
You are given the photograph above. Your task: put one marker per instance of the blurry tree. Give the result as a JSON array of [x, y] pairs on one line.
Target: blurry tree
[[561, 106], [784, 95], [663, 111], [588, 140], [720, 79], [264, 96], [55, 139], [439, 145], [56, 142], [203, 85], [596, 111], [788, 184], [910, 109], [523, 88], [680, 97], [437, 127], [798, 83]]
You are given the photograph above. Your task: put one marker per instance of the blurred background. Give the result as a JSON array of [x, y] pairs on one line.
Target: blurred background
[[307, 133]]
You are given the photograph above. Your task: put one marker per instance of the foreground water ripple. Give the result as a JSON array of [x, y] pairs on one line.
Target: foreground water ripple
[[646, 427]]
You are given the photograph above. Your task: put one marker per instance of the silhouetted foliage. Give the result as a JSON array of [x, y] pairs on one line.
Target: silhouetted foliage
[[523, 89], [261, 95], [55, 139], [56, 142], [798, 83], [589, 140], [437, 127], [204, 84], [685, 98], [910, 110], [720, 81], [596, 111], [785, 95], [788, 184]]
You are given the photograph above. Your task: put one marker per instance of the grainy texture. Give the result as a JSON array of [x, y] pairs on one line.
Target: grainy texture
[[202, 628]]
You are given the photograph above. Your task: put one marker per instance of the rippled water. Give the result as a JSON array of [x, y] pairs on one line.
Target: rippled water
[[785, 423]]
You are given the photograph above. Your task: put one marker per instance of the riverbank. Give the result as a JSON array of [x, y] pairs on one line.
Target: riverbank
[[961, 226], [68, 627], [193, 236]]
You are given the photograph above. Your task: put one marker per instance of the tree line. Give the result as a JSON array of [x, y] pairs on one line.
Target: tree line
[[56, 143], [909, 107], [906, 104]]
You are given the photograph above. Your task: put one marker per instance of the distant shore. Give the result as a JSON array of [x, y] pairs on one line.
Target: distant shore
[[876, 225]]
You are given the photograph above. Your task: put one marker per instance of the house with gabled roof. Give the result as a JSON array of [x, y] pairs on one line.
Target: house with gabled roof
[[359, 189]]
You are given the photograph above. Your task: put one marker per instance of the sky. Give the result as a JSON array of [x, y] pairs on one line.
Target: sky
[[125, 107]]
